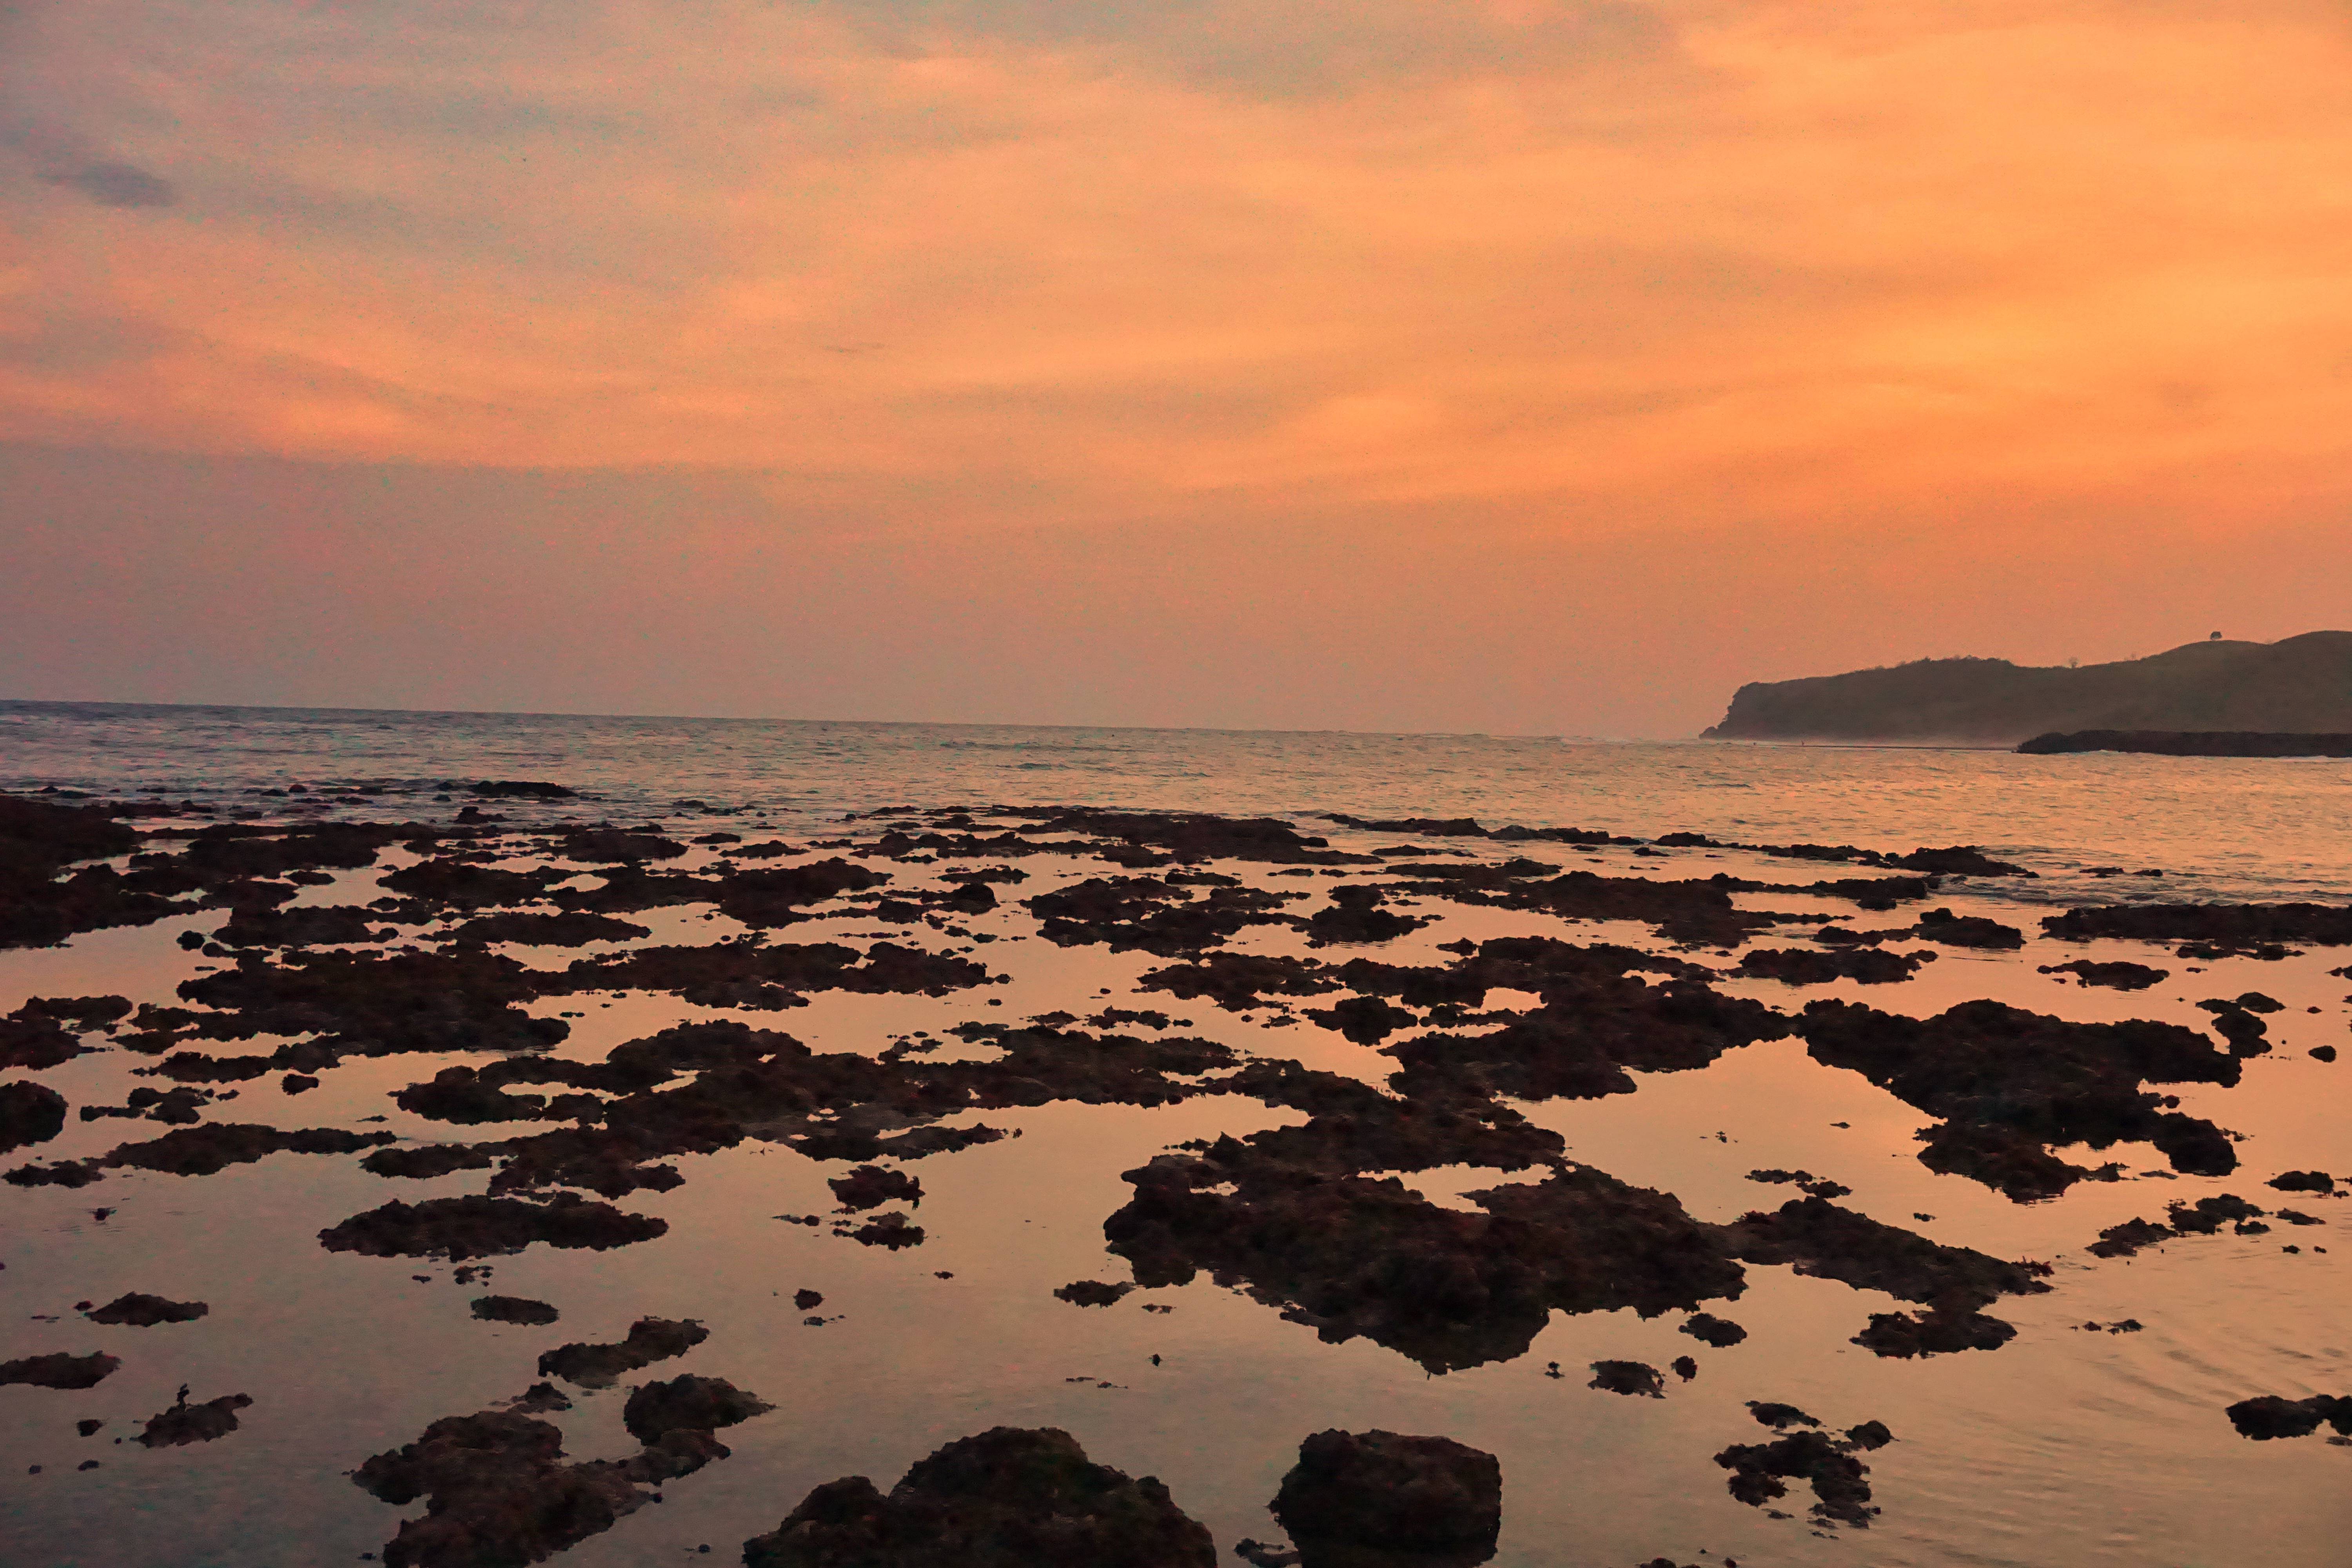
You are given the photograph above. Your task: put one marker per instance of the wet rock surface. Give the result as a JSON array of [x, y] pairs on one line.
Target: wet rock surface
[[2119, 975], [459, 1228], [1629, 1377], [2009, 1084], [29, 1113], [2232, 926], [59, 1370], [1816, 1237], [145, 1312], [688, 1404], [871, 1186], [185, 1423], [1709, 1329], [602, 1365], [1008, 1497], [201, 1152], [1761, 1472], [1801, 966], [514, 1309], [1370, 1497], [496, 1490], [2205, 1216], [2268, 1416]]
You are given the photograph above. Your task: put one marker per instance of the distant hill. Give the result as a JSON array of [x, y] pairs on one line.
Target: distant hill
[[2300, 684]]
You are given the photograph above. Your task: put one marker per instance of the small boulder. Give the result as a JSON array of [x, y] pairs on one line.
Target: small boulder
[[1008, 1497], [1391, 1492]]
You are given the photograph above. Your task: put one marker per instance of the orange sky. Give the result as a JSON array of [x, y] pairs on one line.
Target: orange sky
[[1596, 355]]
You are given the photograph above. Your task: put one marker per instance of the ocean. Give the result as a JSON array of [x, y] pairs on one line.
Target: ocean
[[2219, 827]]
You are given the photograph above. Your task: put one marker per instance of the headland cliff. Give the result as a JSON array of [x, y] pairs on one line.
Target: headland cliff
[[2300, 684]]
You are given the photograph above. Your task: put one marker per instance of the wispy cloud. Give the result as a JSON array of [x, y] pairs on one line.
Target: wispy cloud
[[1635, 262]]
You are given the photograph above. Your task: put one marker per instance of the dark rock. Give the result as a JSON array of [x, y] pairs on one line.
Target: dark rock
[[185, 1423], [29, 1113], [601, 1365], [1238, 981], [1959, 860], [1804, 1180], [514, 1309], [1151, 914], [2268, 1416], [41, 835], [1355, 916], [201, 1152], [146, 1311], [1817, 1237], [496, 1492], [1778, 1416], [1685, 1367], [2304, 1182], [1629, 1377], [767, 974], [465, 1227], [59, 1370], [2010, 1084], [891, 1230], [1934, 1333], [2233, 926], [609, 844], [2119, 976], [1760, 1471], [1392, 1493], [1091, 1293], [2205, 1217], [538, 1398], [426, 1161], [687, 1403], [1710, 1329], [35, 1043], [572, 928], [521, 789], [2190, 744], [1366, 1020], [2123, 1241], [1802, 966], [808, 1300], [1597, 1026], [1968, 930], [871, 1186], [1351, 1256], [1005, 1498]]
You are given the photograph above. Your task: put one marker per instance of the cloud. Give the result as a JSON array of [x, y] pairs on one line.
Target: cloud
[[112, 184], [1624, 262]]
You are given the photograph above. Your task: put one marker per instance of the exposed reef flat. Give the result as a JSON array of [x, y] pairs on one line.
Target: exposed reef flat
[[1327, 1078], [2188, 744]]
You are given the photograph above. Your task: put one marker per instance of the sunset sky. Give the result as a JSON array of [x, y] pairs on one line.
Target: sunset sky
[[1524, 365]]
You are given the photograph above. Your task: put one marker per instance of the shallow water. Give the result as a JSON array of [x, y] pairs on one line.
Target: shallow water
[[2062, 1446], [2224, 827]]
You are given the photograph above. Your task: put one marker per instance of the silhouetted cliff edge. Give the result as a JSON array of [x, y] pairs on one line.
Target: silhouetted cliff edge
[[2301, 684]]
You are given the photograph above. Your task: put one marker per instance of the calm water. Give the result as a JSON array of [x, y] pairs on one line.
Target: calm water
[[2224, 827], [2062, 1448]]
